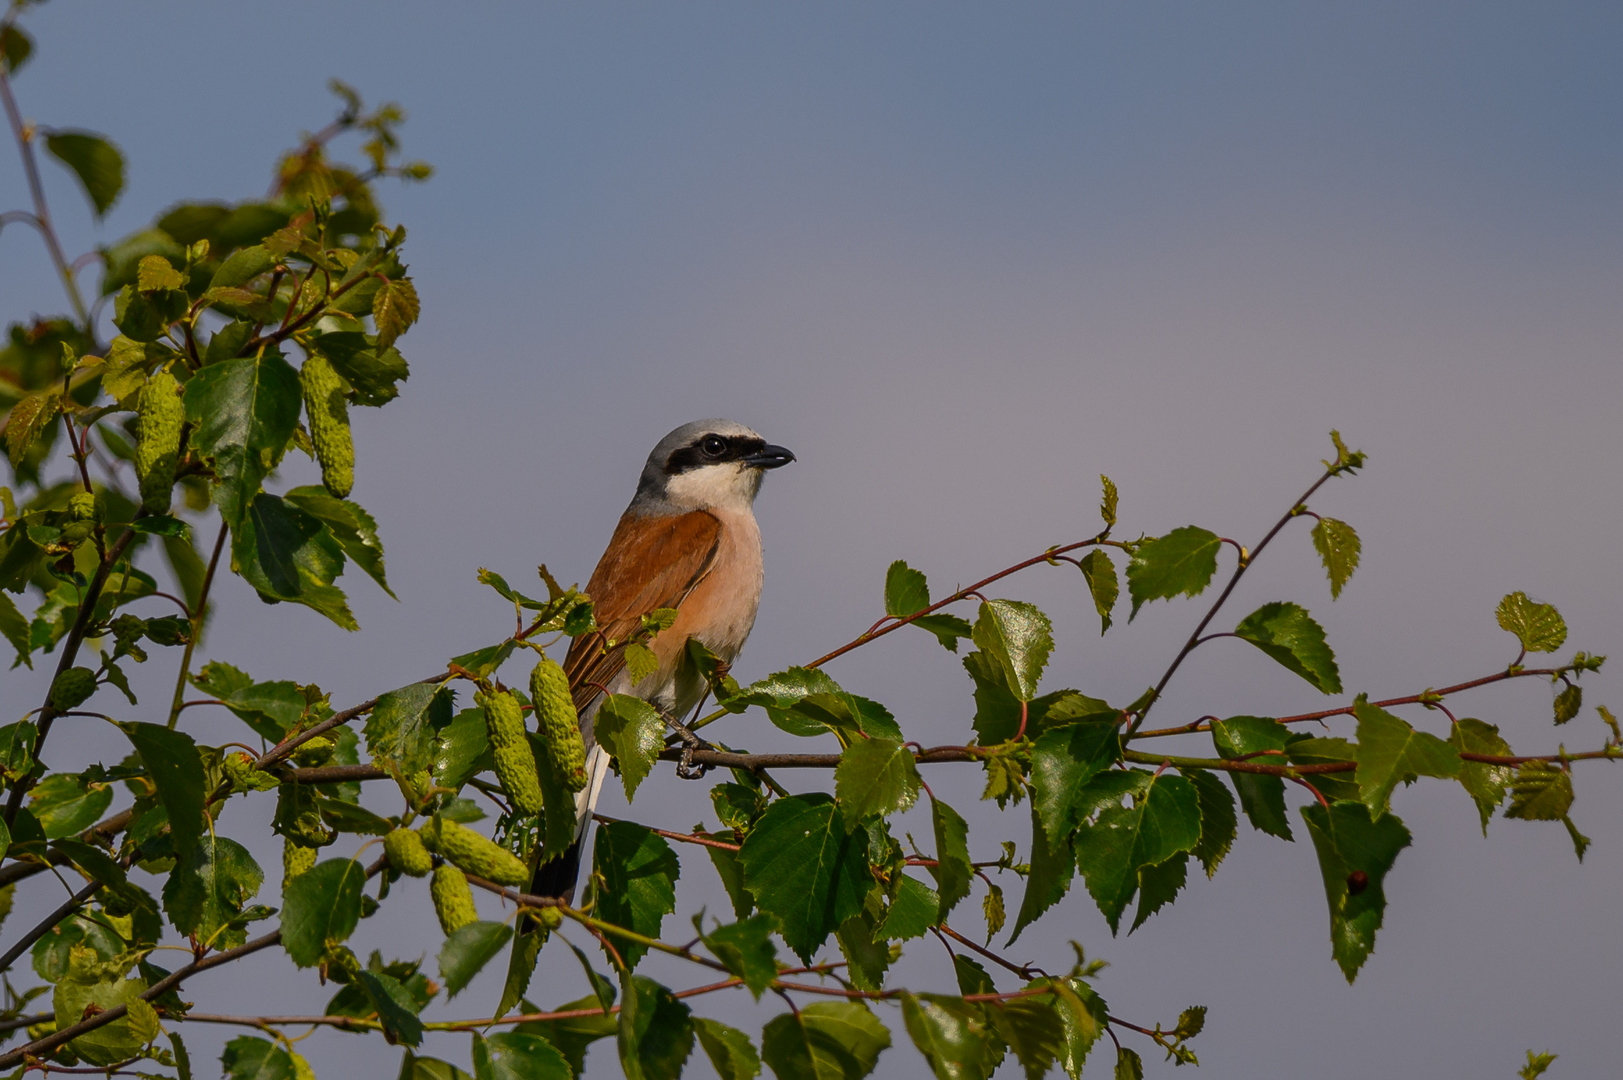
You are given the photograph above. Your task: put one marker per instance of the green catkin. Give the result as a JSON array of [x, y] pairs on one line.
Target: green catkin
[[406, 853], [474, 853], [296, 859], [515, 764], [453, 900], [72, 688], [328, 413], [159, 416], [559, 723]]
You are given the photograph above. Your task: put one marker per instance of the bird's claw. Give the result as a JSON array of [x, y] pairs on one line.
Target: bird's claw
[[685, 768]]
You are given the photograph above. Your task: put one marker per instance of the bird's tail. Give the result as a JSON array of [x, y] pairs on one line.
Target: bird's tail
[[557, 876]]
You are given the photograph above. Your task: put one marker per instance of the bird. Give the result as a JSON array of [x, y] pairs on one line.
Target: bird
[[688, 541]]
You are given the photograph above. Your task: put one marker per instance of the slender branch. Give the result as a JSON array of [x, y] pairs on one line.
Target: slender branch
[[1240, 568], [25, 1021], [70, 653], [47, 924], [42, 212], [197, 618], [17, 871]]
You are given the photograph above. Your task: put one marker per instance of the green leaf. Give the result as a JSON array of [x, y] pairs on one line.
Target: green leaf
[[1540, 791], [1484, 783], [1158, 886], [832, 709], [404, 725], [731, 1053], [1338, 545], [1355, 852], [1100, 574], [1539, 627], [1217, 822], [394, 308], [952, 871], [15, 48], [394, 1004], [1163, 821], [1288, 633], [322, 903], [413, 1067], [114, 1042], [245, 411], [1052, 866], [468, 950], [730, 868], [867, 955], [206, 893], [154, 274], [249, 1058], [1568, 702], [348, 524], [1390, 751], [746, 948], [66, 804], [14, 628], [1181, 562], [633, 733], [371, 369], [1310, 750], [286, 554], [1083, 1015], [95, 161], [242, 266], [90, 860], [655, 1032], [1536, 1065], [1063, 760], [803, 866], [1019, 638], [1032, 1030], [906, 591], [831, 1040], [639, 873], [1108, 501], [171, 761], [952, 1034], [1129, 1066], [915, 908], [272, 709], [875, 776]]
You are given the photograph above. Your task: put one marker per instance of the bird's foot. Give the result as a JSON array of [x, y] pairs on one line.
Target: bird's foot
[[685, 768]]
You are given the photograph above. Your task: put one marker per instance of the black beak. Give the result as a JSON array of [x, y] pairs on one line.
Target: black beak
[[768, 457]]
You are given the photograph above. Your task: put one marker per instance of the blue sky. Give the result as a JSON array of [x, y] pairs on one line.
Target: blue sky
[[962, 259]]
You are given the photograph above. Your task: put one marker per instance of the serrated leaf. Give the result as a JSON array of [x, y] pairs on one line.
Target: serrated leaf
[[1163, 821], [286, 554], [14, 628], [27, 421], [633, 733], [95, 161], [1100, 574], [803, 866], [1217, 821], [1540, 791], [250, 1058], [1339, 547], [403, 726], [1052, 866], [245, 411], [467, 950], [639, 872], [65, 804], [1485, 783], [1063, 760], [655, 1031], [516, 1055], [1032, 1030], [1129, 1066], [321, 904], [1568, 703], [1355, 852], [1019, 638], [831, 1040], [1158, 886], [1390, 752], [154, 273], [1539, 627], [746, 948], [395, 1007], [875, 776], [394, 308], [350, 525], [952, 871], [906, 590], [1180, 563], [993, 911], [1288, 633], [952, 1034], [1083, 1015], [731, 1053], [171, 762], [206, 892], [915, 908], [1107, 502]]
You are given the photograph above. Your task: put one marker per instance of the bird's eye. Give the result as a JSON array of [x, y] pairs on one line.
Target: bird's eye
[[713, 446]]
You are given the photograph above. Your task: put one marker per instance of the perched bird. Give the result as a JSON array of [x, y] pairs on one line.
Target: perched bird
[[688, 541]]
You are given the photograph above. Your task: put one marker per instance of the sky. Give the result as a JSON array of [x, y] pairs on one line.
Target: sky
[[962, 259]]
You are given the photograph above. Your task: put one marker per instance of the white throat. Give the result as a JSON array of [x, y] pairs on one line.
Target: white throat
[[728, 486]]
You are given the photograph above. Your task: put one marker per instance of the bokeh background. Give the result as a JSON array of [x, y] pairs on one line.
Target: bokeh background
[[962, 259]]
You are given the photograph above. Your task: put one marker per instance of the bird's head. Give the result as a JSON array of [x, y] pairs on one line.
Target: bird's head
[[707, 465]]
